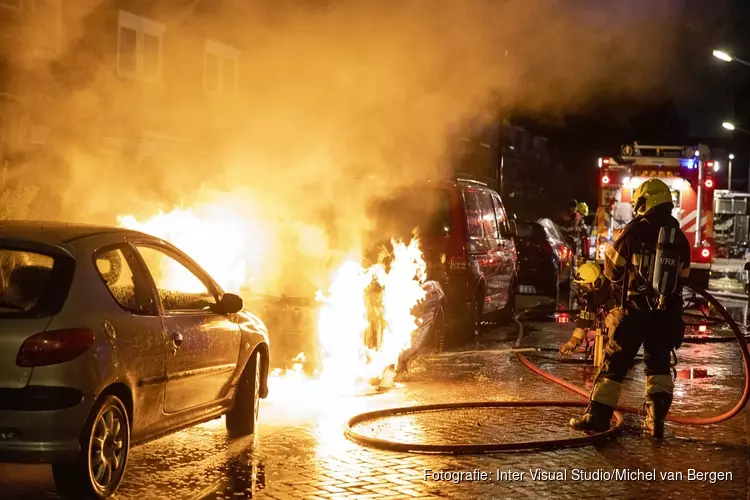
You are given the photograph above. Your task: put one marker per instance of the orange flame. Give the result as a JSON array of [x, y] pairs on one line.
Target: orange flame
[[229, 248]]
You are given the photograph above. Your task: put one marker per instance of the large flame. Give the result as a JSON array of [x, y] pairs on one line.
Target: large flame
[[365, 316], [229, 247], [349, 314]]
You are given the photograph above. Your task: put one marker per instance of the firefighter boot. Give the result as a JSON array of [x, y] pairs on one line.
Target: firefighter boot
[[596, 419], [657, 407]]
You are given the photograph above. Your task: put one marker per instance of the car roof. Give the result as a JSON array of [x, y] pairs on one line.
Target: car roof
[[57, 233], [531, 222]]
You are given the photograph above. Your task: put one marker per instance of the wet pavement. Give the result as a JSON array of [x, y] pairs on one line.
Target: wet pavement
[[300, 450]]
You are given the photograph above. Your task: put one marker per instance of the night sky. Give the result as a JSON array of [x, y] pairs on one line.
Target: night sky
[[704, 88]]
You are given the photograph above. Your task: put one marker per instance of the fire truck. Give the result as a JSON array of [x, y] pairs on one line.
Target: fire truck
[[687, 170]]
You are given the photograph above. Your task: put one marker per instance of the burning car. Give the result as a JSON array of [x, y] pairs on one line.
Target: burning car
[[308, 332], [343, 316]]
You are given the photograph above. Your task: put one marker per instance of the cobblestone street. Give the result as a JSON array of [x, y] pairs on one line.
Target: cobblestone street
[[300, 451]]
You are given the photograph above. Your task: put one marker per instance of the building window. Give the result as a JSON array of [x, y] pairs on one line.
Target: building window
[[140, 48], [221, 68]]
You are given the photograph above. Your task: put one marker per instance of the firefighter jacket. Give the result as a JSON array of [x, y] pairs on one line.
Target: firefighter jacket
[[605, 297], [637, 245]]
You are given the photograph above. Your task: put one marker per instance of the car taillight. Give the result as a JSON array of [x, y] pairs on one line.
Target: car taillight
[[54, 347]]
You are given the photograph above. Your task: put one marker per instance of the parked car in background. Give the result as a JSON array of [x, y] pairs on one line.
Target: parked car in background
[[538, 262], [467, 241], [108, 338], [561, 249]]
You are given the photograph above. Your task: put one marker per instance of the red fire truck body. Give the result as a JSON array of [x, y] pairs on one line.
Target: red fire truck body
[[688, 171]]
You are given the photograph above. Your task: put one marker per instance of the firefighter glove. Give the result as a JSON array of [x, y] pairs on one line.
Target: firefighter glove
[[575, 340]]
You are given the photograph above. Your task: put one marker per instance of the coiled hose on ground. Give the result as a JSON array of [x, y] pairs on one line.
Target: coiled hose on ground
[[471, 449]]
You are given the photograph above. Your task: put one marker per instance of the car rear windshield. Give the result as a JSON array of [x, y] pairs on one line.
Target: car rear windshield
[[33, 283], [402, 212]]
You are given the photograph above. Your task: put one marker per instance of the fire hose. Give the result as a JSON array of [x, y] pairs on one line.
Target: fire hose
[[585, 440]]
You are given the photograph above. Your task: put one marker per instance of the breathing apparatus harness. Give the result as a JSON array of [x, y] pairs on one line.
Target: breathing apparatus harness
[[658, 276]]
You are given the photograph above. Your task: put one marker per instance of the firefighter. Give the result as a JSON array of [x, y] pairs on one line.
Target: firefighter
[[583, 209], [571, 223], [645, 316], [597, 293]]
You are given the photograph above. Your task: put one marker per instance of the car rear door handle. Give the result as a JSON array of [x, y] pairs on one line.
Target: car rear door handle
[[177, 339]]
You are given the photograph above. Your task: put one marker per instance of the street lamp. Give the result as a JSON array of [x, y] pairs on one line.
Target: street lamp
[[729, 174], [731, 126], [720, 54]]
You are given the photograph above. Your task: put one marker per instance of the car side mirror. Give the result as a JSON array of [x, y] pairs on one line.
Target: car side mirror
[[231, 303]]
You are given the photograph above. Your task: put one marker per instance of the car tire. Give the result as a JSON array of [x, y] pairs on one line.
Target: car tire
[[105, 444], [474, 321], [242, 419], [505, 315]]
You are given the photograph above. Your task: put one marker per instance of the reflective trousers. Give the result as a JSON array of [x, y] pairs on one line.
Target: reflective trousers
[[650, 329]]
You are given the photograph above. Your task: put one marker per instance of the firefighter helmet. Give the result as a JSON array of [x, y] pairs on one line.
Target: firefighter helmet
[[583, 209], [588, 277], [649, 195]]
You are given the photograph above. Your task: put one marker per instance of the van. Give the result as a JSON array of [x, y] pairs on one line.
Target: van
[[468, 245]]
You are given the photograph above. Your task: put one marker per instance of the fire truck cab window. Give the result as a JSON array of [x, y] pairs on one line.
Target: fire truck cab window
[[676, 200], [622, 214]]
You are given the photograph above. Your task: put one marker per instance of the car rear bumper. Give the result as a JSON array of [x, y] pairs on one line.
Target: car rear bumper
[[47, 436]]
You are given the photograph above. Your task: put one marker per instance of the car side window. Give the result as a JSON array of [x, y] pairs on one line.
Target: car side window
[[121, 274], [179, 288], [488, 215], [502, 218], [473, 214]]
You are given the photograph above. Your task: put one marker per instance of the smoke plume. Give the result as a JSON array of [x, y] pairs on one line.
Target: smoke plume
[[339, 103]]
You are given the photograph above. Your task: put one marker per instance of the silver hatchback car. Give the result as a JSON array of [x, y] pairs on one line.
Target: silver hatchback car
[[108, 338]]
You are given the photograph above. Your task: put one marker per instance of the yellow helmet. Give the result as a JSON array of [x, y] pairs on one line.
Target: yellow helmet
[[650, 194], [583, 209], [589, 277]]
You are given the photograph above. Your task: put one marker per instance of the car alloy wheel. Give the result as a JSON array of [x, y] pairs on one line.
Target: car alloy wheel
[[108, 448], [100, 467]]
